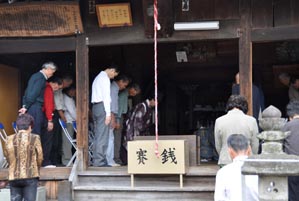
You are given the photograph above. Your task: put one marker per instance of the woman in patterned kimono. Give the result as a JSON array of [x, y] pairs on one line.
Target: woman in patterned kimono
[[140, 120]]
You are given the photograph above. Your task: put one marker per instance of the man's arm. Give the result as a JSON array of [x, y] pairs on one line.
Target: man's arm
[[217, 137], [220, 188], [107, 100], [70, 106], [34, 88], [49, 106], [59, 104], [254, 140]]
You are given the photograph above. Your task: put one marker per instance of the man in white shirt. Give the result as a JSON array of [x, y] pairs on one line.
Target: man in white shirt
[[231, 185], [57, 147], [101, 100]]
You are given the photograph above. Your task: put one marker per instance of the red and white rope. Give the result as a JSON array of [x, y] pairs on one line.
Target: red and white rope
[[156, 28]]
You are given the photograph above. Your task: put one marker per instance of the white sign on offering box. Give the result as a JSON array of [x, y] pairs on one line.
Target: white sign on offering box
[[173, 158]]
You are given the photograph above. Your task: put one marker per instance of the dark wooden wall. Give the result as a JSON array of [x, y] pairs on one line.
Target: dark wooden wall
[[274, 13], [207, 10]]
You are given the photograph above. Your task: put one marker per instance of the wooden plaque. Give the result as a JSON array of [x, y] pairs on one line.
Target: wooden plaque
[[40, 19], [114, 15]]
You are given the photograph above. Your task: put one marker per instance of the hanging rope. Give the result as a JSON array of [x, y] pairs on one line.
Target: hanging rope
[[156, 28]]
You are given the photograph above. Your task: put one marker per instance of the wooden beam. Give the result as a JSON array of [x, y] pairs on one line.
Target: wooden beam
[[63, 44], [275, 34], [82, 97], [245, 53], [135, 35]]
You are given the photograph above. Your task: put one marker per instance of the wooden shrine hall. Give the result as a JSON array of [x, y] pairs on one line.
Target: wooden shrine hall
[[201, 46]]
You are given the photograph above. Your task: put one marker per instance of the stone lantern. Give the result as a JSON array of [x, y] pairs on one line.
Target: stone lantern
[[272, 166]]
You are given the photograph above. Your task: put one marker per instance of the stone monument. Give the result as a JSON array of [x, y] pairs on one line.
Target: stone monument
[[273, 166]]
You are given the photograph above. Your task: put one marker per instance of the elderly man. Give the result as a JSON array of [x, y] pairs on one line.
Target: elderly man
[[33, 99], [229, 185], [235, 121]]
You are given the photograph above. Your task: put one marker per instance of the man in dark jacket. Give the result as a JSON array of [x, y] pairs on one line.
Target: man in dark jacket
[[33, 99], [291, 145]]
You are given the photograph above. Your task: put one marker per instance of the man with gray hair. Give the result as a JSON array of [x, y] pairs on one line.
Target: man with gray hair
[[33, 99], [230, 186], [291, 145]]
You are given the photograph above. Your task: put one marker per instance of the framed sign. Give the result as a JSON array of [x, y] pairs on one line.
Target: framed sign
[[114, 15]]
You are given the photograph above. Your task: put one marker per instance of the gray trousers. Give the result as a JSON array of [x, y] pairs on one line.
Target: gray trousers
[[66, 145], [101, 132], [117, 142]]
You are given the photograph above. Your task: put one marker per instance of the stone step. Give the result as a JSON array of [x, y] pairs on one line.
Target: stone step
[[143, 195], [114, 184], [154, 186], [120, 177], [200, 191], [164, 180]]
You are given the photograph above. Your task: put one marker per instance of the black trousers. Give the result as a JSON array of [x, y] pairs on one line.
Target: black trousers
[[293, 182], [36, 112], [57, 141], [47, 142], [23, 188]]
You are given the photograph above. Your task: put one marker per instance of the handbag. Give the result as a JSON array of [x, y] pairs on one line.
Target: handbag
[[3, 184]]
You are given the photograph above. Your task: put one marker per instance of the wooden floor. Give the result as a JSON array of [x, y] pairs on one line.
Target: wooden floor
[[61, 173], [58, 173]]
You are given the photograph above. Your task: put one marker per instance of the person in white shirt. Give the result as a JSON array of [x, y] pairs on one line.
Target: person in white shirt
[[101, 111], [231, 185], [70, 116], [56, 151]]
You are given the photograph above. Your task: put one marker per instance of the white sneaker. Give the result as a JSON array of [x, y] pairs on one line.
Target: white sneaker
[[50, 166], [114, 165]]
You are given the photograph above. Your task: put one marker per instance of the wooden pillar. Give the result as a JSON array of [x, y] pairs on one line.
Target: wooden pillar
[[82, 97], [245, 52]]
